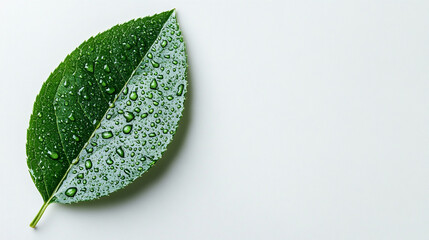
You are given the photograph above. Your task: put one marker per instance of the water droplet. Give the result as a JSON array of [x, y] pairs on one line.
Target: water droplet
[[133, 96], [149, 55], [129, 116], [70, 192], [170, 98], [137, 109], [164, 43], [106, 68], [127, 129], [154, 84], [152, 134], [110, 90], [120, 152], [150, 96], [108, 116], [126, 90], [175, 62], [107, 134], [53, 155], [88, 164], [180, 90], [76, 138], [144, 115], [71, 117], [127, 171], [80, 175], [39, 114], [89, 67], [109, 161], [154, 64]]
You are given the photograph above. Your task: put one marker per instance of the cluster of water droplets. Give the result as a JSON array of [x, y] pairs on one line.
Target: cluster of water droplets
[[138, 126]]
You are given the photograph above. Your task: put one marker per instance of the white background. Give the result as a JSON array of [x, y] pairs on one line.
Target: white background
[[305, 120]]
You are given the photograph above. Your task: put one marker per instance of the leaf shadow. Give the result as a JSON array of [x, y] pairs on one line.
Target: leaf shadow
[[144, 182]]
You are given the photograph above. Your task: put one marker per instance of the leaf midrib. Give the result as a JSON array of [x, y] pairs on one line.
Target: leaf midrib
[[95, 129]]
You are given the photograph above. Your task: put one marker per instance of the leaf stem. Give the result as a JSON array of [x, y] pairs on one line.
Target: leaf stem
[[39, 214]]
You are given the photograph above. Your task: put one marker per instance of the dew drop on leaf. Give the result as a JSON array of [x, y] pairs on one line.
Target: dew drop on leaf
[[110, 90], [127, 129], [70, 192], [154, 84], [89, 67], [76, 138], [106, 68], [180, 90], [129, 116], [88, 164], [107, 134], [133, 96], [120, 151], [71, 117], [154, 64], [53, 155], [109, 161]]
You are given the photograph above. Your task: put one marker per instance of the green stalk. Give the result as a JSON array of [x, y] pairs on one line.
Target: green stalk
[[39, 215]]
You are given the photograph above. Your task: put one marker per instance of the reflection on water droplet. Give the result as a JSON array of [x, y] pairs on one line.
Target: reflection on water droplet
[[110, 90], [76, 138], [53, 155], [88, 164], [89, 67], [106, 68], [133, 96], [70, 192], [71, 117], [154, 64], [127, 129], [107, 134], [180, 90], [39, 114], [120, 152], [154, 84], [129, 116], [109, 161]]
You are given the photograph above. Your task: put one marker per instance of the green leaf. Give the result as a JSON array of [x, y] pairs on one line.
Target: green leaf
[[108, 112]]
